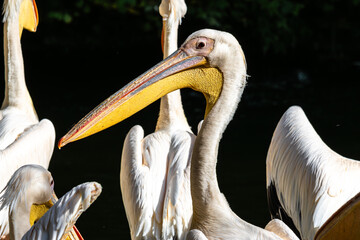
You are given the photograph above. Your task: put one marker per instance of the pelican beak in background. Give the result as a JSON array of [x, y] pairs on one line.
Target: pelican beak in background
[[28, 17], [38, 210], [187, 67]]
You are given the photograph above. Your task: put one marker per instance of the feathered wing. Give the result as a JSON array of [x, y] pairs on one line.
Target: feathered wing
[[281, 229], [344, 223], [141, 185], [155, 184], [196, 234], [61, 217], [34, 146], [306, 181], [23, 139], [13, 123], [177, 212]]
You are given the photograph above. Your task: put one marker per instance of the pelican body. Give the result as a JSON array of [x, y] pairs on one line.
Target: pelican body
[[33, 184], [307, 182], [23, 139], [155, 170], [213, 63]]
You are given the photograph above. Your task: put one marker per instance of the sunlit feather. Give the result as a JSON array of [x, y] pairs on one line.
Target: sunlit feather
[[33, 184], [306, 180], [23, 139]]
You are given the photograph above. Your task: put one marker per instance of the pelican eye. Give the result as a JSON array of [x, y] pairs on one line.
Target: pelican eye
[[200, 45]]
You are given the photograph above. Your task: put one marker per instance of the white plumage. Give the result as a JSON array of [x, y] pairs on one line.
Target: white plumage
[[211, 62], [306, 180], [281, 229], [212, 215], [33, 184], [23, 139], [155, 170], [155, 175]]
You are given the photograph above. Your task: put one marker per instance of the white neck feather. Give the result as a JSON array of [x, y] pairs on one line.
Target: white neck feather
[[11, 10], [206, 195], [16, 93], [171, 109], [203, 163]]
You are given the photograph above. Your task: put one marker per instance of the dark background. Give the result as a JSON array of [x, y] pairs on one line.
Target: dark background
[[298, 53]]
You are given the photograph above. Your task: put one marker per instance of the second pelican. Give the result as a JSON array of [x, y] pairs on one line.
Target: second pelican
[[155, 170]]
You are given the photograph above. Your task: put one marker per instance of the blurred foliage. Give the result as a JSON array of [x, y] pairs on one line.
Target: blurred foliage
[[277, 26]]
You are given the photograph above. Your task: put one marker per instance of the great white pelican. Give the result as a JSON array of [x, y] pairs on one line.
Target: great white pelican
[[33, 184], [155, 177], [211, 62], [23, 139], [307, 182], [158, 201]]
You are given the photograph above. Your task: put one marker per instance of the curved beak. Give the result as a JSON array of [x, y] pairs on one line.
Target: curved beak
[[28, 17], [179, 70]]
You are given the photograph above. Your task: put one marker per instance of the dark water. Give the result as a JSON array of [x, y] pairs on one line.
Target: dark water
[[67, 82]]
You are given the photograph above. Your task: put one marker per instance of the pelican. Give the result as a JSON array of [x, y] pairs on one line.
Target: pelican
[[213, 63], [307, 182], [33, 184], [23, 139], [156, 195]]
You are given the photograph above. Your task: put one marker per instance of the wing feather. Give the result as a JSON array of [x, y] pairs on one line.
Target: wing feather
[[177, 210], [281, 229], [309, 179], [142, 181], [61, 217], [34, 146], [155, 183], [196, 234]]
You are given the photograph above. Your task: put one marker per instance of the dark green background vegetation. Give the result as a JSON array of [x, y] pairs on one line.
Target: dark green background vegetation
[[274, 26]]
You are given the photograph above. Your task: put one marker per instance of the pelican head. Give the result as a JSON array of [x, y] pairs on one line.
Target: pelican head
[[24, 11], [202, 63], [173, 9], [28, 193], [30, 183]]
